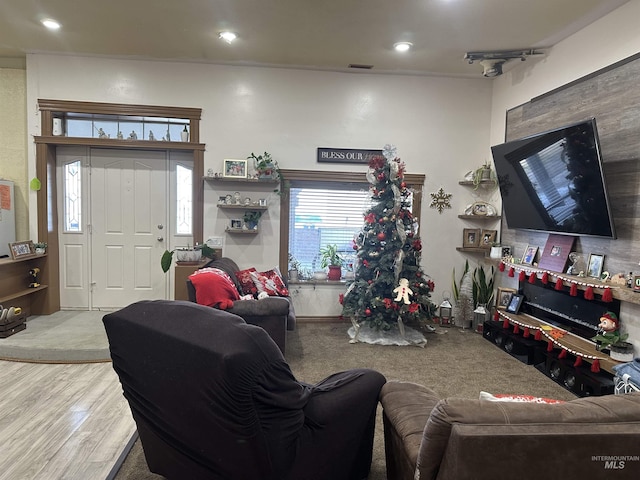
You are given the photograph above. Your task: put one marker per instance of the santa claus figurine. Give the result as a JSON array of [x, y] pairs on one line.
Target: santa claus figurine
[[608, 322]]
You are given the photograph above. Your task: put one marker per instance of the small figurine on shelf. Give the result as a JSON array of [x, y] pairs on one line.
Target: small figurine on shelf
[[102, 134], [120, 136], [33, 273], [133, 135], [151, 136]]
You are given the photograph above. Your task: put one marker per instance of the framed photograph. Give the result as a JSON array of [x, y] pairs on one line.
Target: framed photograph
[[515, 302], [262, 202], [487, 238], [236, 223], [529, 255], [503, 298], [556, 251], [506, 251], [594, 268], [234, 168], [21, 249], [471, 237], [222, 199]]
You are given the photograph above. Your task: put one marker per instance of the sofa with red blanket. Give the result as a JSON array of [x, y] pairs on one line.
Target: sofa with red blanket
[[222, 284]]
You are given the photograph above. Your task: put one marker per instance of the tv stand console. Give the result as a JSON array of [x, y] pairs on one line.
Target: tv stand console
[[553, 329]]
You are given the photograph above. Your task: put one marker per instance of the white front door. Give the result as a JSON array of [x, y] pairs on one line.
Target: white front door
[[129, 218]]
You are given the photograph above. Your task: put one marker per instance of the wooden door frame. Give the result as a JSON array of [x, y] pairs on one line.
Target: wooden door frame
[[46, 145]]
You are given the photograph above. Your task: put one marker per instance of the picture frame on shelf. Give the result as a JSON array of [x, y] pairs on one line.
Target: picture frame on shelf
[[222, 199], [529, 255], [506, 251], [22, 249], [594, 267], [515, 302], [235, 224], [487, 238], [470, 237], [555, 254], [234, 168], [503, 297]]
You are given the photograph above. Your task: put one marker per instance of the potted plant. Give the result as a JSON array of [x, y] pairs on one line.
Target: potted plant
[[251, 219], [294, 268], [330, 257], [266, 167], [483, 288], [40, 247], [482, 174], [187, 254]]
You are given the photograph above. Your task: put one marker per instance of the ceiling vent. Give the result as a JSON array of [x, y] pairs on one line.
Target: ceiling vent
[[360, 66], [492, 62]]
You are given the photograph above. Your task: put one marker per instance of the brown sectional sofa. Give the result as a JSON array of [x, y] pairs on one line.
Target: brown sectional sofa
[[429, 438]]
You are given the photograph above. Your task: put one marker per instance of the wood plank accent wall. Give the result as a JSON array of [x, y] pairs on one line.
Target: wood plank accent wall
[[612, 96]]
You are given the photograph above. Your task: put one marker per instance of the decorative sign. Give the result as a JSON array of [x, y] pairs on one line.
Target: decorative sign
[[346, 155]]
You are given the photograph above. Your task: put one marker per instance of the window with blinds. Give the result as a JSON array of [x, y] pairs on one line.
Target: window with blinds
[[325, 216]]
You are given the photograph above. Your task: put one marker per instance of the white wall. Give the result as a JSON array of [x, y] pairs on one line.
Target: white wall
[[600, 44], [439, 126]]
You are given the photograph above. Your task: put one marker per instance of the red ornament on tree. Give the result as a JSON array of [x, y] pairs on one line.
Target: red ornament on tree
[[381, 236], [381, 176], [367, 312]]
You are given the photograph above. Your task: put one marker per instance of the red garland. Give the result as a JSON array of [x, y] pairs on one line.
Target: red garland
[[573, 291], [522, 276], [607, 296], [505, 323], [545, 277], [370, 218], [578, 361], [549, 346], [512, 272], [501, 267], [527, 332], [538, 335], [496, 316], [595, 366], [588, 293], [533, 277], [516, 329], [563, 354], [559, 284]]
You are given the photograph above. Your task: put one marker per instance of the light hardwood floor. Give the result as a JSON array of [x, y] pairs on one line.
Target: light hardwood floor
[[61, 421]]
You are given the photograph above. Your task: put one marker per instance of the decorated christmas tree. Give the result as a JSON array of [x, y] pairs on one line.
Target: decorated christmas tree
[[390, 289]]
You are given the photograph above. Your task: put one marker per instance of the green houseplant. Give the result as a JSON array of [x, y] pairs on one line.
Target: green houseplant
[[482, 174], [330, 257], [167, 256], [483, 286], [251, 219], [265, 166]]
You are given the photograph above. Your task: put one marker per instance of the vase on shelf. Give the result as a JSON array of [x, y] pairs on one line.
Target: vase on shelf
[[184, 134]]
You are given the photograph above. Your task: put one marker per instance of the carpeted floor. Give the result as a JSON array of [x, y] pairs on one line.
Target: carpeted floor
[[454, 363], [64, 337]]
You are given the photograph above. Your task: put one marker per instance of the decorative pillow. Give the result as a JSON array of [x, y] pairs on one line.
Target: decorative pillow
[[244, 277], [270, 282], [214, 288], [517, 398]]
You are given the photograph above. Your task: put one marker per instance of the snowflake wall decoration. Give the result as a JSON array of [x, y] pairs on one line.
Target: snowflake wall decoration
[[440, 200]]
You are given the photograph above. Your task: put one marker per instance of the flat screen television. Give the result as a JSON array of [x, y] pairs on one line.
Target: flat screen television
[[553, 182]]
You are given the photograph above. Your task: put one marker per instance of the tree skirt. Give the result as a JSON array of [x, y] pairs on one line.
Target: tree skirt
[[366, 334]]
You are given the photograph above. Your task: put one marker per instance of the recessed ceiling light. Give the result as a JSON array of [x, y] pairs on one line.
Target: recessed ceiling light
[[50, 24], [227, 36], [402, 46]]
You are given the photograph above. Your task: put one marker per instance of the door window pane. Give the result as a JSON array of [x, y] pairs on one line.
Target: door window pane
[[73, 197], [184, 191]]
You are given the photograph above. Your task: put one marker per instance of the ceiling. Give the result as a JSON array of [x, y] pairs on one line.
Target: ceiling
[[315, 34]]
